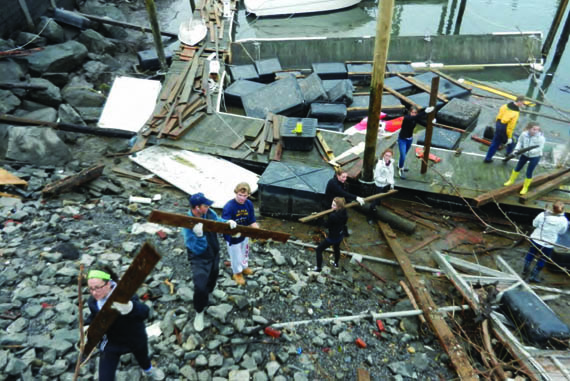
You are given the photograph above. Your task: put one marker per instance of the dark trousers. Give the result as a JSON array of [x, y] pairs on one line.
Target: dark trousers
[[378, 201], [111, 355], [205, 272], [323, 246], [533, 252], [532, 163], [500, 137]]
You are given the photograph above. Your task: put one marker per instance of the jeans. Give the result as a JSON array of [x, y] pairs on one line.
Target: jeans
[[533, 252], [532, 163], [404, 146], [499, 138]]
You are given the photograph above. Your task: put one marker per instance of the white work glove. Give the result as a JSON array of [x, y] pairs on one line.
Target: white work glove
[[198, 229], [123, 308], [360, 200], [237, 235], [509, 141], [515, 152], [434, 120], [429, 109], [232, 224], [391, 186]]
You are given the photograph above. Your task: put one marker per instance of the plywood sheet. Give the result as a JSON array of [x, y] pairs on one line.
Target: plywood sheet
[[194, 172], [6, 178]]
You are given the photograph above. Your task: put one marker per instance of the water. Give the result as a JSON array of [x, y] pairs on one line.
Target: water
[[441, 17]]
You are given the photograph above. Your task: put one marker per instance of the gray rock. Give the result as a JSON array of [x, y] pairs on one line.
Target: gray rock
[[272, 367], [3, 358], [80, 94], [185, 293], [96, 43], [421, 361], [50, 96], [248, 363], [260, 319], [8, 101], [220, 311], [201, 360], [238, 351], [51, 30], [11, 71], [277, 257], [13, 339], [403, 368], [300, 376], [215, 360], [36, 145], [239, 324], [260, 376], [189, 373], [15, 366], [54, 370], [30, 40], [345, 337], [205, 375], [64, 57], [17, 325], [238, 375]]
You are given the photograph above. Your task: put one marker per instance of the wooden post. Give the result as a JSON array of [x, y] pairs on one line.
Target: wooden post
[[185, 221], [137, 272], [429, 125], [383, 29], [459, 20], [554, 28], [192, 6], [153, 18], [436, 321], [563, 39]]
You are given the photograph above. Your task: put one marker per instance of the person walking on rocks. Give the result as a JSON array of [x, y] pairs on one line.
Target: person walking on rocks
[[335, 223], [203, 250], [531, 136], [383, 177], [240, 209], [548, 226], [505, 124], [127, 334], [336, 187], [406, 136]]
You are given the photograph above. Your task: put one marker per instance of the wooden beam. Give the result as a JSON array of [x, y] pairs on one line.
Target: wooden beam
[[436, 321], [452, 80], [137, 272], [420, 85], [499, 193], [6, 178], [328, 151], [347, 206], [182, 220], [422, 244], [401, 97], [545, 188], [429, 127], [69, 182]]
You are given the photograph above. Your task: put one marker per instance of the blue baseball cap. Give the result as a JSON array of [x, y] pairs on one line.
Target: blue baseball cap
[[199, 199]]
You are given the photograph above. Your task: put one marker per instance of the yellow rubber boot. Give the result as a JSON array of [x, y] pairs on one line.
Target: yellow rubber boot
[[511, 180], [525, 186]]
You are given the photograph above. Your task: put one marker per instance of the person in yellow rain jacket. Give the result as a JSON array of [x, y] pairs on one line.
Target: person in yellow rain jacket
[[505, 124]]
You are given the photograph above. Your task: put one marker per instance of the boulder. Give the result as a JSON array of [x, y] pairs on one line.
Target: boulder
[[35, 145], [8, 101], [29, 40], [50, 96], [11, 71], [81, 94], [51, 30], [63, 57], [95, 42]]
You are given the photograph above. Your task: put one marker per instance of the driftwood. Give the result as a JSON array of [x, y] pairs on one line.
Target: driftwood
[[72, 181], [110, 132]]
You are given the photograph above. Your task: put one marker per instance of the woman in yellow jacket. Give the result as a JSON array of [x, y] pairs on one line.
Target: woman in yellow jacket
[[505, 124]]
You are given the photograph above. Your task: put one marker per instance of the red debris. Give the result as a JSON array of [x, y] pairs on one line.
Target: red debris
[[380, 325], [360, 343], [272, 332], [162, 235], [77, 216]]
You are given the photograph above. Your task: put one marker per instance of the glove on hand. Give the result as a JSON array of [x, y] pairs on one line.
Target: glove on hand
[[429, 109], [123, 308], [237, 235], [360, 200], [232, 224], [509, 141], [198, 229]]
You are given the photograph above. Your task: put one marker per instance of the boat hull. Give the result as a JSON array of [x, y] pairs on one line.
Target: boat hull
[[286, 7]]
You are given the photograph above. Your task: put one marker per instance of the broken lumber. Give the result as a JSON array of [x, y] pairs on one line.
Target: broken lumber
[[395, 221], [110, 132], [376, 275], [69, 182], [347, 206], [454, 350], [545, 188], [412, 300], [505, 191], [182, 220], [6, 178], [135, 275], [422, 244], [105, 20]]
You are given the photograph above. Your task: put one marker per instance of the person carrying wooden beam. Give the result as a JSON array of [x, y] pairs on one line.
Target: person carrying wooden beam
[[240, 210], [406, 136], [203, 250], [127, 334], [531, 136], [335, 223]]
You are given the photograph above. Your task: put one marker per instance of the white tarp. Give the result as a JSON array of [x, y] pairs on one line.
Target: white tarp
[[194, 172], [130, 103]]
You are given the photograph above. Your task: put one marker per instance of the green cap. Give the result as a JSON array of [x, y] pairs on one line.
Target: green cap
[[98, 274]]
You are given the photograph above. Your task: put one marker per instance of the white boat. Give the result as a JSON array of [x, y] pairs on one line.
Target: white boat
[[287, 7]]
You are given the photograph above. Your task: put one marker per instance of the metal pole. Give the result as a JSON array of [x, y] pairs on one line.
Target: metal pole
[[429, 124], [383, 29], [554, 27], [152, 16]]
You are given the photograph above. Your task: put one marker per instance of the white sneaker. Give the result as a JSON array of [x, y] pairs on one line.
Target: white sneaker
[[199, 321], [154, 374]]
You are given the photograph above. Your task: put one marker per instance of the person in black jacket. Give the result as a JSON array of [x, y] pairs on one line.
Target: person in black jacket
[[406, 136], [127, 334], [335, 223], [336, 187]]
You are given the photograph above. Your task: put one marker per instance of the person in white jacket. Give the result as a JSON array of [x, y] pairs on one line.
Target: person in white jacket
[[383, 177], [531, 136], [548, 226]]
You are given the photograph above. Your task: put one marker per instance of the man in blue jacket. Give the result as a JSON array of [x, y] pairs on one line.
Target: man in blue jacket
[[203, 250]]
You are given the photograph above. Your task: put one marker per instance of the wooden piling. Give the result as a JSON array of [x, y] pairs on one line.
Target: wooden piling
[[554, 28], [429, 125], [153, 18]]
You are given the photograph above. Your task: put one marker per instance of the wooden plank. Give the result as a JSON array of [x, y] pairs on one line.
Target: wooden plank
[[454, 350], [268, 127], [499, 193], [185, 221], [6, 178], [252, 131], [452, 80], [401, 97], [70, 182], [362, 375], [206, 87], [545, 188], [421, 86], [135, 275], [278, 152], [186, 126], [422, 244], [263, 137], [347, 159], [276, 127], [348, 206], [238, 142], [327, 150]]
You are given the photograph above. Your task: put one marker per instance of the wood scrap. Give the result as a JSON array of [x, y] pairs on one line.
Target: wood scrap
[[70, 182], [422, 244], [6, 178]]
